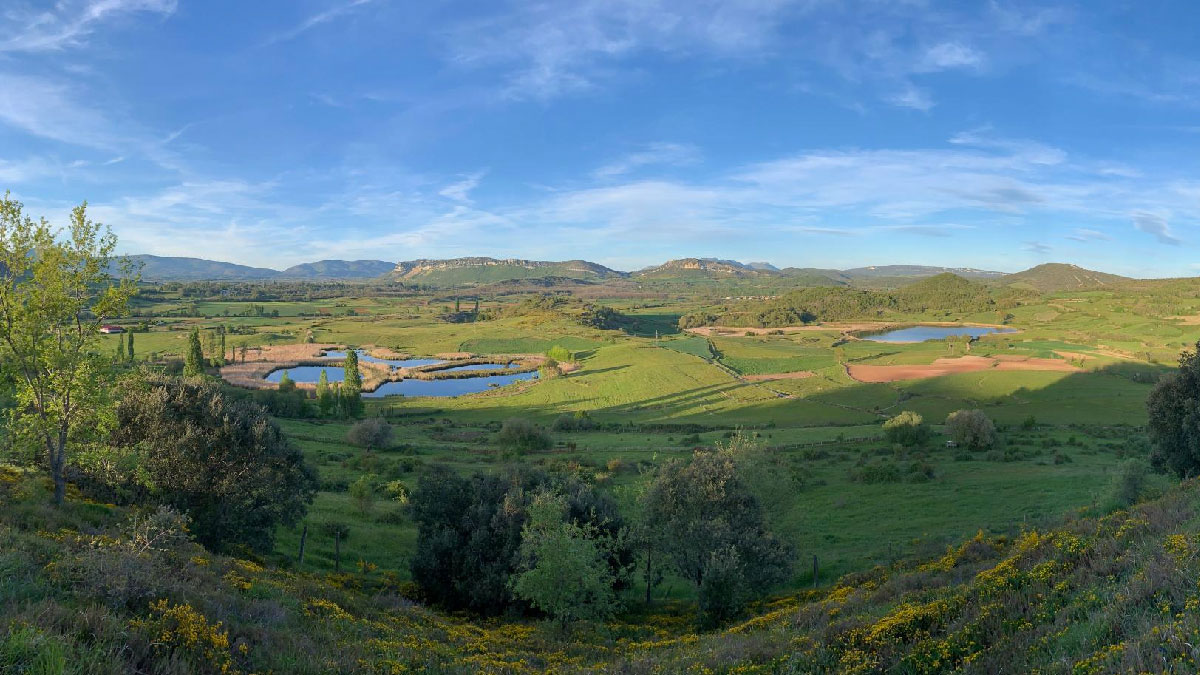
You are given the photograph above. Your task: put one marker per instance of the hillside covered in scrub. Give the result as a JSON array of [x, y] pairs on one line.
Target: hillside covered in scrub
[[945, 293], [94, 588]]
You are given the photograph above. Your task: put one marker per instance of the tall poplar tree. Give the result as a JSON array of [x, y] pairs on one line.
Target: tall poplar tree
[[193, 363], [351, 385]]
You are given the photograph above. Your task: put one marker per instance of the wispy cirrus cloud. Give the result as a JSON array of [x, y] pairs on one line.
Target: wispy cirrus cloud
[[654, 154], [50, 109], [460, 191], [311, 22], [551, 49], [1085, 235], [68, 23]]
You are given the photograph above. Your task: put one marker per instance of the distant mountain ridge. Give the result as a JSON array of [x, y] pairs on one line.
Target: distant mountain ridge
[[170, 268], [481, 270], [454, 271]]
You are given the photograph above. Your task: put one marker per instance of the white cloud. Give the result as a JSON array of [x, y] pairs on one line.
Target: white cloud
[[911, 96], [68, 23], [313, 21], [949, 56], [49, 109], [655, 154], [460, 191], [551, 49], [1086, 235]]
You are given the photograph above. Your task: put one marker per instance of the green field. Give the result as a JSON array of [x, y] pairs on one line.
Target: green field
[[657, 396]]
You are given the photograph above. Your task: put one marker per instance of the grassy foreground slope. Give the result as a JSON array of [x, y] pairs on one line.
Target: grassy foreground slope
[[85, 589]]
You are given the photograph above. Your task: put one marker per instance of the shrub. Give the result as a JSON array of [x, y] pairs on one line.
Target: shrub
[[370, 434], [1173, 407], [908, 429], [559, 353], [578, 421], [362, 493], [220, 461], [522, 436], [469, 532], [1129, 482], [971, 429]]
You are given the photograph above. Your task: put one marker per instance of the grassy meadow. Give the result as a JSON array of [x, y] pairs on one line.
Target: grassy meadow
[[656, 395]]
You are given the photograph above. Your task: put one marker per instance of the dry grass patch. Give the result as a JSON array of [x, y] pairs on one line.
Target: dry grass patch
[[951, 366]]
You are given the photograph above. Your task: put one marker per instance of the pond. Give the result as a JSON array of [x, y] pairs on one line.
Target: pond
[[308, 374], [395, 363], [456, 387], [923, 333], [475, 366]]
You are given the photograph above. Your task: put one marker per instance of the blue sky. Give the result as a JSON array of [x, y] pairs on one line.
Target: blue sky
[[834, 133]]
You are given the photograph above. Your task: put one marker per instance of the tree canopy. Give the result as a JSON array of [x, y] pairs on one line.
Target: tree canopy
[[1174, 411], [220, 460], [56, 291]]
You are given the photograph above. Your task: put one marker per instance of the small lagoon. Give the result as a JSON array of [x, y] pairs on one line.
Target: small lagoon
[[475, 366], [923, 333], [394, 363], [308, 374], [452, 387]]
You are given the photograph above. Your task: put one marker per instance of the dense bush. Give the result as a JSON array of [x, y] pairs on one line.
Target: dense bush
[[704, 518], [1174, 410], [971, 429], [222, 462], [522, 436], [469, 532], [371, 434], [578, 421], [908, 428]]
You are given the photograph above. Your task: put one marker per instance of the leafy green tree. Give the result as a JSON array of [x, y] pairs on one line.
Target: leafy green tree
[[56, 291], [908, 428], [558, 353], [723, 591], [469, 532], [1174, 410], [129, 349], [768, 475], [120, 349], [326, 400], [351, 394], [362, 493], [193, 364], [218, 459], [285, 383], [700, 511], [220, 357], [564, 570], [971, 429]]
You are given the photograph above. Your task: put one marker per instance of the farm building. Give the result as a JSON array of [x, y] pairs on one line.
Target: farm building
[[111, 329]]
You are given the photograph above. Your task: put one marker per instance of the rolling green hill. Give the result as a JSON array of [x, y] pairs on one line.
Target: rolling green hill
[[1058, 277], [338, 269], [164, 268]]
